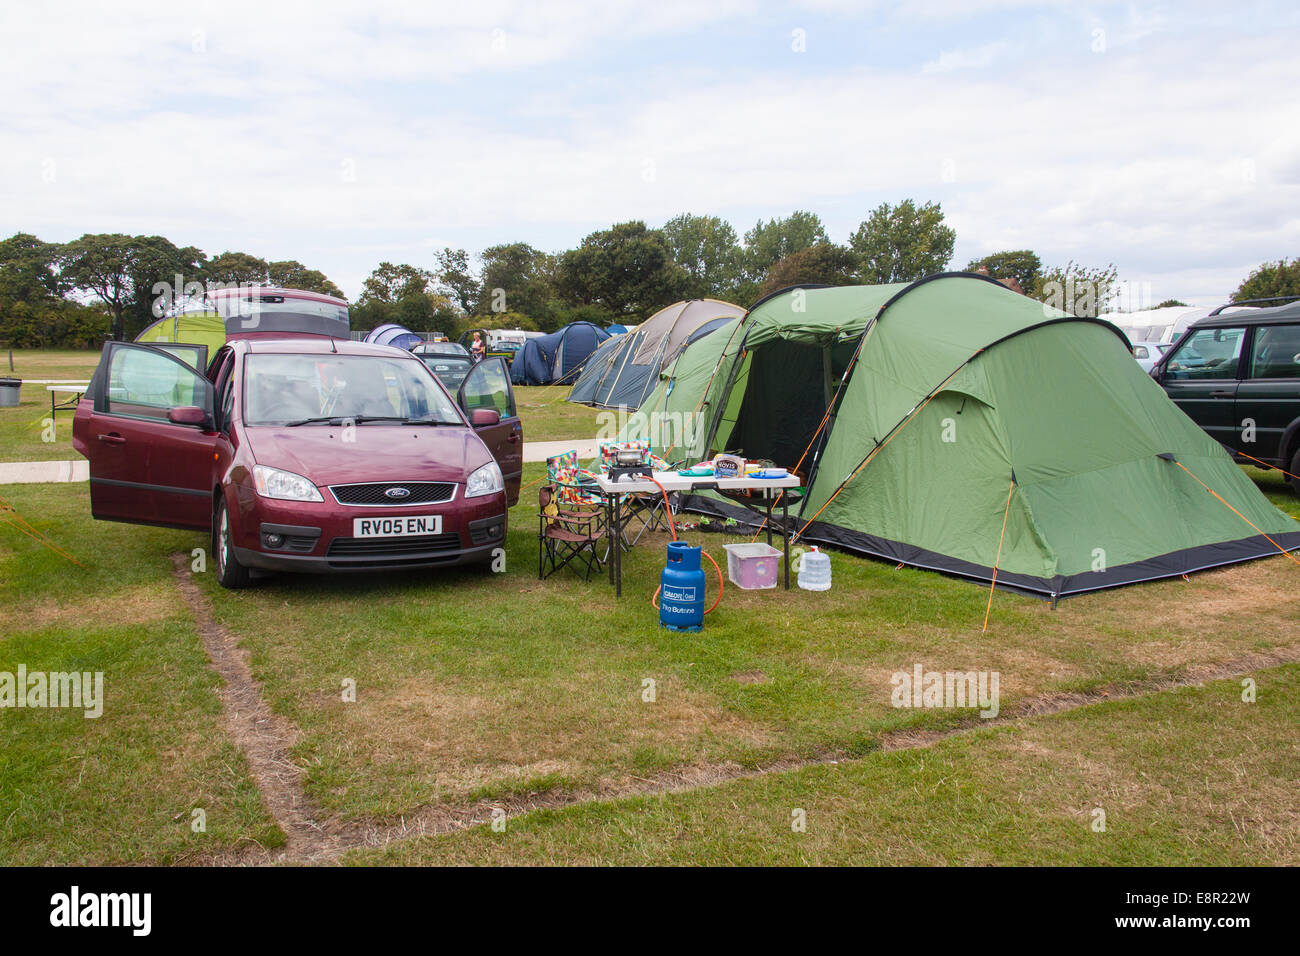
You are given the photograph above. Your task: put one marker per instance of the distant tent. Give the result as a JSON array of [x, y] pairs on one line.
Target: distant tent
[[616, 329], [625, 370], [395, 335], [557, 358], [953, 425]]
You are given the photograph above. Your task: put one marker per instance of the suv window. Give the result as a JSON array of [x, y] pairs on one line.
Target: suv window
[[1276, 352], [1209, 353]]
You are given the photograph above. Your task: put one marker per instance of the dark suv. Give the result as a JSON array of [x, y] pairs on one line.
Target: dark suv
[[1237, 375]]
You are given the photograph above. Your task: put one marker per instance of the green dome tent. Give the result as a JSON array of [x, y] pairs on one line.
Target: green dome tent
[[955, 425]]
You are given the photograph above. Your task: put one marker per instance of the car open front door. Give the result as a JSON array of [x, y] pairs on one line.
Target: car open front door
[[145, 426], [488, 386]]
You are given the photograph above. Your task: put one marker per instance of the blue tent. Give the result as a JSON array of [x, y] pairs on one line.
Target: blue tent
[[393, 335], [626, 369], [558, 357]]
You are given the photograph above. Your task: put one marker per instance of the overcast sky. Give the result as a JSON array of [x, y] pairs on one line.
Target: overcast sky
[[1162, 137]]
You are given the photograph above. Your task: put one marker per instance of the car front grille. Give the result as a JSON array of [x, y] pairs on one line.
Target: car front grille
[[413, 547], [374, 494]]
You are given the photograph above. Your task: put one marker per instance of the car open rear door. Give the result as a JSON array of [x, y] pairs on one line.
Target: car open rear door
[[488, 386], [145, 426]]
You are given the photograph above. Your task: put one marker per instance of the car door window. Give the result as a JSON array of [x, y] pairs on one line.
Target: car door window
[[1207, 354], [488, 386], [1276, 352], [195, 356], [145, 382]]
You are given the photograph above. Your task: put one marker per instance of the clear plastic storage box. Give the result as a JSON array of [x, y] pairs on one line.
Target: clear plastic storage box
[[752, 567]]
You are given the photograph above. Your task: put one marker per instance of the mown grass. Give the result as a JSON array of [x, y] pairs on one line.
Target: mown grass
[[1172, 794], [472, 684], [548, 417], [24, 431], [120, 788]]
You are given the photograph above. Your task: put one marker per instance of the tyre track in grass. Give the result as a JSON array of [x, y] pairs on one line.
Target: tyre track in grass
[[267, 739]]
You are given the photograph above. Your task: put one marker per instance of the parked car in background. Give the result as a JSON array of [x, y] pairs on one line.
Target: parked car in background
[[1148, 353], [500, 343], [441, 348], [1237, 375], [304, 454], [451, 369]]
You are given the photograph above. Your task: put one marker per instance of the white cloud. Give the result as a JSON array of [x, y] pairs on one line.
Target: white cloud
[[342, 136]]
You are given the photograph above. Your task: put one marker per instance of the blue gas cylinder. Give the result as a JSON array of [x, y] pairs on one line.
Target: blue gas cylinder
[[681, 592]]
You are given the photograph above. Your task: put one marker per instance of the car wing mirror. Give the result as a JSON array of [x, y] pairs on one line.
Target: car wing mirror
[[482, 417], [187, 415]]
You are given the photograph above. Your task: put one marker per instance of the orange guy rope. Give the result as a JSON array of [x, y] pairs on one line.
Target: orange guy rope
[[1235, 511], [998, 559]]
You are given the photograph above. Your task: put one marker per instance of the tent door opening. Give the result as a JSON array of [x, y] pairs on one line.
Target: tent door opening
[[787, 388]]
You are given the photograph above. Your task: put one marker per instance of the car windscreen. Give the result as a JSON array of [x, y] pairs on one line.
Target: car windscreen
[[283, 388]]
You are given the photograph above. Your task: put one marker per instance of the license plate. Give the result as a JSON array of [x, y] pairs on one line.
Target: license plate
[[399, 527]]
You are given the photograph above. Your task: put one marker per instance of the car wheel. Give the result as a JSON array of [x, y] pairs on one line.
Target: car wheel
[[230, 573], [1294, 478]]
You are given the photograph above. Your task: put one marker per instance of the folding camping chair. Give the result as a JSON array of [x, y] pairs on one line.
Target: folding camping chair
[[571, 519], [646, 510]]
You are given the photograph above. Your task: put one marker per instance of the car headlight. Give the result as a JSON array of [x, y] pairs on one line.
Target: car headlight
[[285, 485], [485, 481]]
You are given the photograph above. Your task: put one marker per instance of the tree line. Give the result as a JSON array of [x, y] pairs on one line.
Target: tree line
[[77, 293]]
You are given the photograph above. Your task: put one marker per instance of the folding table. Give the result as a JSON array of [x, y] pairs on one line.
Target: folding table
[[614, 491]]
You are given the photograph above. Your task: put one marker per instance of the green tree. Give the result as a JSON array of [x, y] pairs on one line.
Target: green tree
[[626, 270], [1169, 303], [824, 263], [770, 242], [1076, 289], [516, 279], [903, 243], [405, 295], [29, 269], [291, 274], [1023, 265], [237, 268], [134, 276], [1280, 278], [706, 247], [456, 279]]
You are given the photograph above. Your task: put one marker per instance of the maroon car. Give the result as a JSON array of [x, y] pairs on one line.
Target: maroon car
[[304, 453]]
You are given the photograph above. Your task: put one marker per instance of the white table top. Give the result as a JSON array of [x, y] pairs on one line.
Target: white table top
[[68, 388], [675, 482]]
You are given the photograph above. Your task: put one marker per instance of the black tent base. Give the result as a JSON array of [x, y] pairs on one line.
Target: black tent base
[[1171, 565]]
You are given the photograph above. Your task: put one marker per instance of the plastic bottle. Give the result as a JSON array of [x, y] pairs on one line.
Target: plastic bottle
[[814, 570]]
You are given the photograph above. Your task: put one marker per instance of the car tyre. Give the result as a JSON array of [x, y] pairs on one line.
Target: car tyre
[[1294, 478], [230, 573]]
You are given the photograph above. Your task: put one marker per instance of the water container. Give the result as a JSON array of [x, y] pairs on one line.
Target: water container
[[681, 593], [814, 570], [10, 389]]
